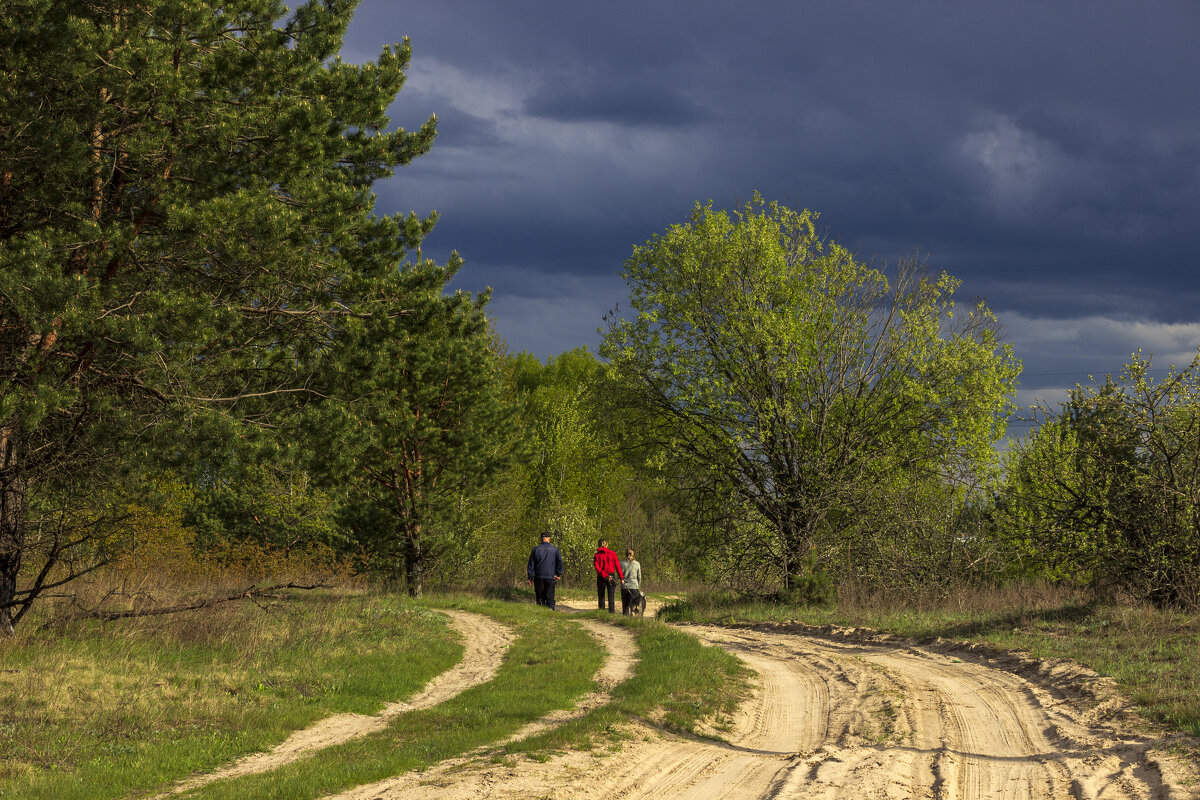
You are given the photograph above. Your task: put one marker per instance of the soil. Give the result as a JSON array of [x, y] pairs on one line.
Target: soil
[[834, 713], [843, 714]]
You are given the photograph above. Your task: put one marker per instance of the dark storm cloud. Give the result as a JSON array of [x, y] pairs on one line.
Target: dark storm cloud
[[1046, 153], [460, 129], [622, 105]]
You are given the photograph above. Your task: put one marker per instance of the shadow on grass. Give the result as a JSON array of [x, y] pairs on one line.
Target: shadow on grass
[[1072, 613], [899, 617], [511, 594]]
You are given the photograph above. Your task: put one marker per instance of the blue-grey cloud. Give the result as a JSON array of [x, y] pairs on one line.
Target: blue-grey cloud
[[1046, 153], [622, 105]]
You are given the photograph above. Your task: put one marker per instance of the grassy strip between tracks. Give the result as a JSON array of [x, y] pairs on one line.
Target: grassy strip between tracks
[[102, 710], [1153, 654], [551, 663], [678, 683]]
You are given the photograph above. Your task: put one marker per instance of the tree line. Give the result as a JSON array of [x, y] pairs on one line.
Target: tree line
[[211, 341]]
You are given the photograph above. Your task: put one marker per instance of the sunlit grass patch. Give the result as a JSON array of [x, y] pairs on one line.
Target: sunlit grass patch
[[678, 684], [92, 710], [551, 663]]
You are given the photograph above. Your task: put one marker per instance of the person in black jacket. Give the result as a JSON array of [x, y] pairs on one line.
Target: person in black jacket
[[545, 567]]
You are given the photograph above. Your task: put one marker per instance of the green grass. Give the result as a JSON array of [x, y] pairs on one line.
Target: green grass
[[551, 663], [125, 709], [678, 684], [95, 710], [576, 596], [1154, 655]]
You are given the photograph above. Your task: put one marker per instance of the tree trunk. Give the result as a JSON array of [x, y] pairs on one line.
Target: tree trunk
[[797, 558], [414, 562], [12, 529], [12, 538], [793, 546]]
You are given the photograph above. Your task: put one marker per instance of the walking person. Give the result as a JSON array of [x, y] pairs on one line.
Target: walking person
[[545, 568], [631, 583], [608, 570]]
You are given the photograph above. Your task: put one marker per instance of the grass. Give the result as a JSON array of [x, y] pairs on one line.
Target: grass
[[678, 684], [551, 663], [1154, 655], [91, 710]]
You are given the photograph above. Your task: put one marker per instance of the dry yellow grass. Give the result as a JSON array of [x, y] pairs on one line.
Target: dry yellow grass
[[138, 701]]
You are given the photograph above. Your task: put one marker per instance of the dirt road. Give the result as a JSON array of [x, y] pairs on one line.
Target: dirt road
[[831, 716], [837, 719], [833, 719]]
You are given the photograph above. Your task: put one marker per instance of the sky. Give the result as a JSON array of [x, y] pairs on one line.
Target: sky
[[1046, 154]]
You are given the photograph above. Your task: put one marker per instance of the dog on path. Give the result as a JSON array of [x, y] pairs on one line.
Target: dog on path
[[639, 604]]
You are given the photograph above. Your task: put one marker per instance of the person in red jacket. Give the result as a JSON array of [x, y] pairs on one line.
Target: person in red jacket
[[608, 570]]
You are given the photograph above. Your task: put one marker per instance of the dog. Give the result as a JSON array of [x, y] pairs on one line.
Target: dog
[[639, 604]]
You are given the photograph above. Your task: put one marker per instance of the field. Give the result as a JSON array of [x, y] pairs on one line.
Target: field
[[364, 695], [117, 709]]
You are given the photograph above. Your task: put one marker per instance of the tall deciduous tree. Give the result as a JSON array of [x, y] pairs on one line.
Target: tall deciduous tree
[[186, 222], [779, 369]]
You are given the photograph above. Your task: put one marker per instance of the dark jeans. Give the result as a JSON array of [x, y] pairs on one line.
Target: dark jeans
[[604, 585], [543, 589]]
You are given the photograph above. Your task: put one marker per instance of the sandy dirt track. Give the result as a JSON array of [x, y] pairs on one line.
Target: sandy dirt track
[[836, 719], [447, 778], [484, 643]]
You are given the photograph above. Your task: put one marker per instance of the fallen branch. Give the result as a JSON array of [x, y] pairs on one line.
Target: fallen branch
[[249, 593]]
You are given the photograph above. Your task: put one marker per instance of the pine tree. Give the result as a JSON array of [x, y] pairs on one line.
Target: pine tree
[[424, 422], [186, 224]]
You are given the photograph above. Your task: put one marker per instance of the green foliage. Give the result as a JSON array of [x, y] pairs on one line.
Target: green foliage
[[419, 423], [186, 227], [569, 454], [924, 533], [790, 385], [571, 474], [812, 586], [269, 506], [1106, 492]]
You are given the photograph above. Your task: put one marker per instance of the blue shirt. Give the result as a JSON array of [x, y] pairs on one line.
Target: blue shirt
[[545, 562]]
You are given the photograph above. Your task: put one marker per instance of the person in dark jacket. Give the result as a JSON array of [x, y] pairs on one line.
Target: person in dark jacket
[[608, 570], [545, 567]]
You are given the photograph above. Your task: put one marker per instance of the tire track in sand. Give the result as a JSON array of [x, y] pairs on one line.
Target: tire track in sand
[[471, 775], [830, 719], [484, 643]]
